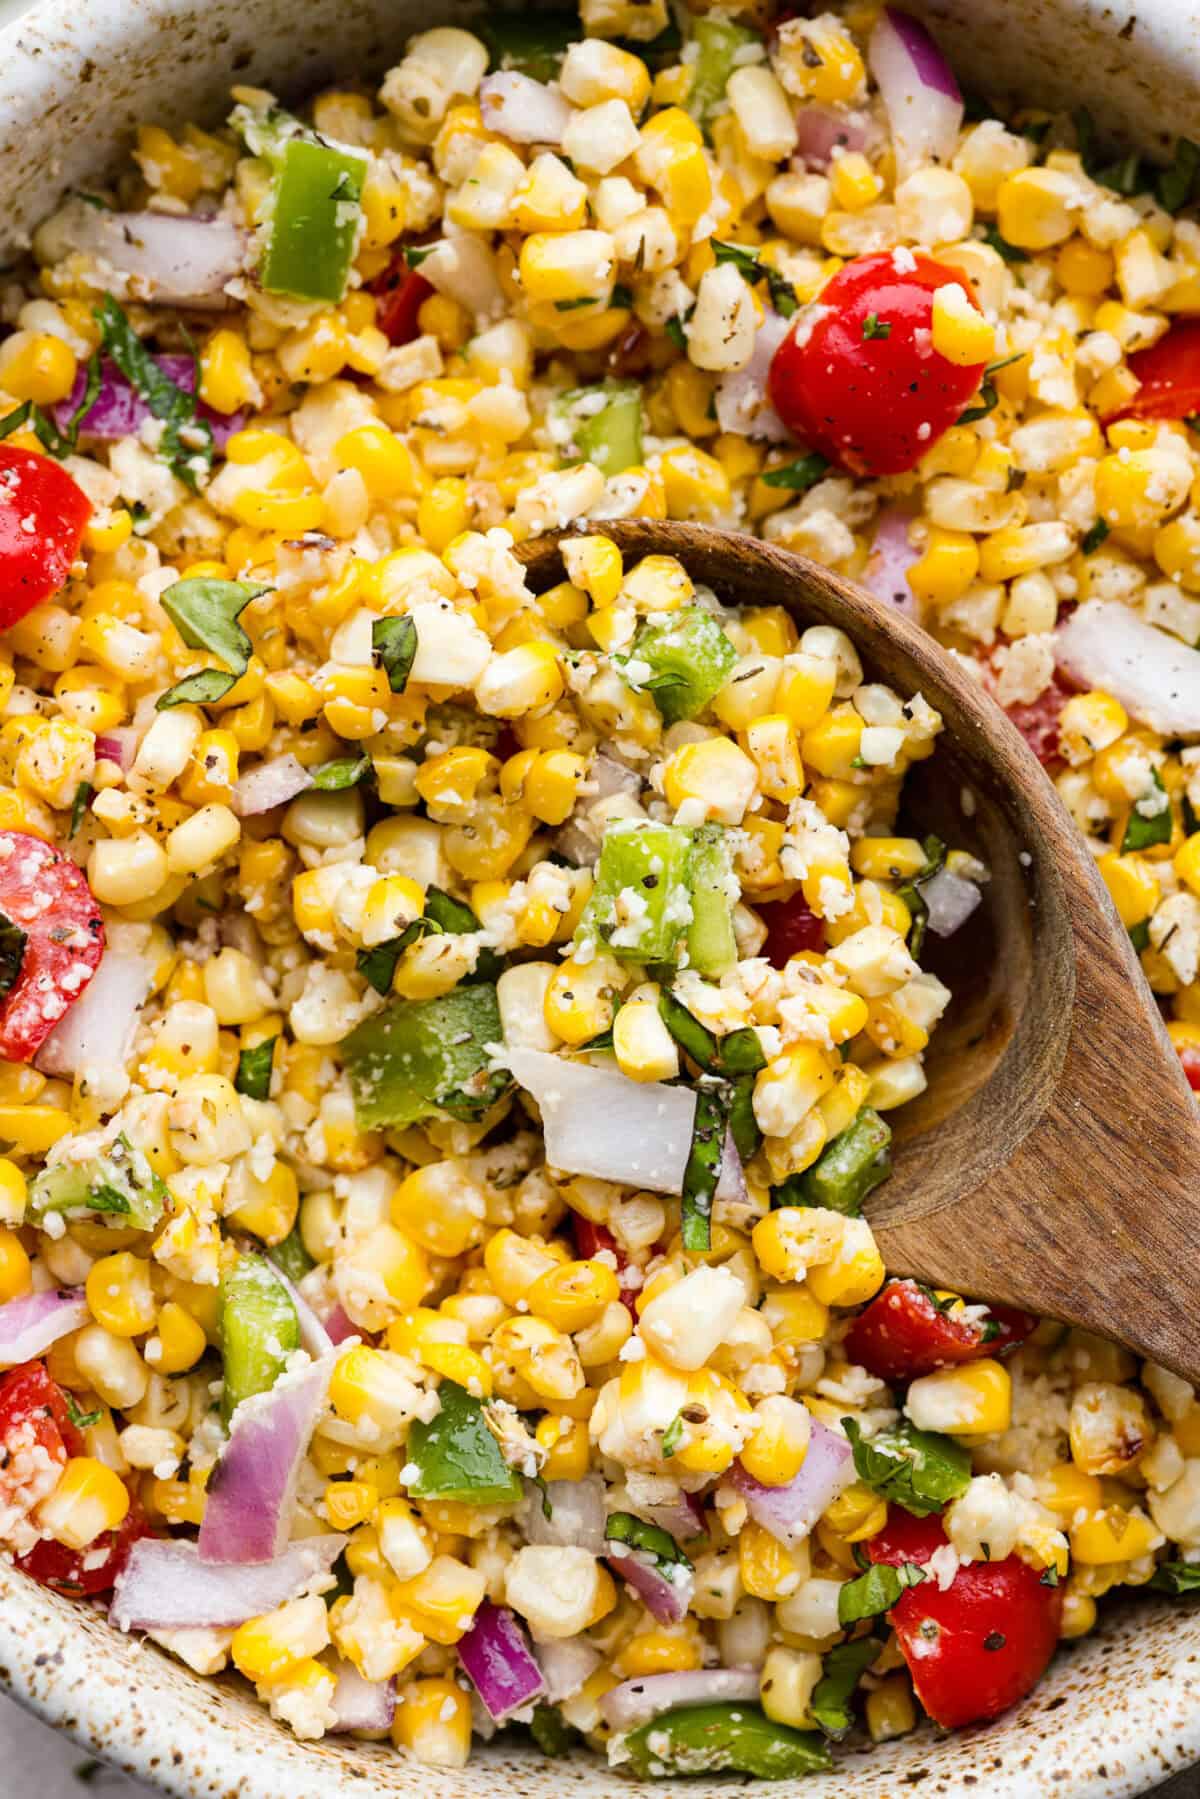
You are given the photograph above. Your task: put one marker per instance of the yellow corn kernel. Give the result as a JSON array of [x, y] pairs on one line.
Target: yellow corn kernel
[[960, 331], [1065, 1489], [450, 783], [573, 1295], [661, 1651], [716, 774], [16, 1274], [1034, 208], [776, 1451], [37, 366], [179, 1338], [1137, 489], [565, 1441], [854, 1273], [644, 1048], [579, 999], [539, 1355], [552, 784], [971, 1401], [769, 1570], [440, 1207], [380, 458], [566, 265], [1113, 1535], [268, 1647], [525, 679], [442, 1599], [821, 60], [514, 1263], [695, 484], [14, 1192], [227, 380], [1133, 886], [832, 744], [349, 1502], [946, 567], [891, 1709], [120, 1296], [433, 1721], [88, 1500], [33, 1130]]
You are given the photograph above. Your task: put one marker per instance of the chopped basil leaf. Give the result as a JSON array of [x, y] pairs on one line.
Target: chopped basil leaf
[[80, 1419], [1176, 1577], [797, 476], [200, 689], [13, 421], [205, 612], [876, 1591], [1175, 183], [1094, 536], [378, 964], [675, 331], [415, 254], [1146, 829], [841, 1672], [79, 805], [874, 326], [253, 1078], [12, 954], [56, 443], [550, 1731], [394, 643], [347, 771], [621, 295], [918, 1469], [574, 305], [703, 1170], [651, 1539], [1050, 1578], [781, 292], [187, 441], [1139, 935]]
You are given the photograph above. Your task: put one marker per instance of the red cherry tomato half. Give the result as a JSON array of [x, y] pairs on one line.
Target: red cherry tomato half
[[42, 518], [46, 895], [82, 1573], [1189, 1061], [1169, 373], [791, 927], [981, 1645], [863, 384], [402, 292], [902, 1335], [36, 1439], [591, 1240], [1038, 723]]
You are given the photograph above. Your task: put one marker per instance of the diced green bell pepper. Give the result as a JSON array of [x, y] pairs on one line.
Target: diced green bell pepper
[[717, 42], [119, 1184], [259, 1330], [706, 1739], [415, 1058], [314, 223], [457, 1457], [847, 1169], [690, 660], [640, 906], [601, 424], [712, 949], [291, 1257]]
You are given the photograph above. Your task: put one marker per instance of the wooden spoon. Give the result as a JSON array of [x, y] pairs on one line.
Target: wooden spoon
[[1054, 1161]]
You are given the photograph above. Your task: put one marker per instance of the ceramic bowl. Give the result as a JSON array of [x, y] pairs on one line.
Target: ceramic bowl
[[1119, 1711]]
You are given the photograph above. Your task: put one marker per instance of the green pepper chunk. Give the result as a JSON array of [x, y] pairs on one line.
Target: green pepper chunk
[[315, 217], [718, 43], [259, 1330], [706, 1739], [640, 906], [457, 1457], [120, 1184], [690, 660], [416, 1058], [601, 424], [1144, 830], [291, 1257], [549, 1729], [712, 949], [846, 1170]]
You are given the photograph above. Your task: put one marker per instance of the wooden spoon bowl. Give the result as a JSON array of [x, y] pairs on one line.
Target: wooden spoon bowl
[[1053, 1160]]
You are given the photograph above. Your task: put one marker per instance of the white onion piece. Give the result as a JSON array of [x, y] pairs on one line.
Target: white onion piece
[[922, 98], [790, 1512], [566, 1664], [28, 1326], [361, 1704], [252, 1490], [823, 129], [1155, 677], [635, 1702], [165, 1586], [731, 1182], [741, 395], [576, 1513], [665, 1593], [951, 899], [269, 785], [892, 555], [99, 1028], [523, 110], [158, 258], [597, 1121]]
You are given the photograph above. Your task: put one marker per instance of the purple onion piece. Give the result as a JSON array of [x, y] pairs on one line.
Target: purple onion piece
[[666, 1600], [252, 1489], [119, 410], [28, 1326], [790, 1512], [496, 1657]]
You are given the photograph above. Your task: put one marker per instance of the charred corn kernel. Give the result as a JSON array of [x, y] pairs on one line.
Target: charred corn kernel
[[565, 1441], [776, 1450], [946, 567], [1035, 208], [178, 1343], [36, 366], [961, 333], [1113, 1535], [643, 1046], [1133, 886], [433, 1721], [579, 998], [120, 1296], [891, 1709], [32, 1130], [573, 1295], [442, 1599], [88, 1500], [450, 783], [526, 679], [974, 1401], [769, 1570], [268, 1647], [16, 1275]]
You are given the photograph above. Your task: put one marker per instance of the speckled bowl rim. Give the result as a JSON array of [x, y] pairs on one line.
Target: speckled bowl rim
[[1118, 1712]]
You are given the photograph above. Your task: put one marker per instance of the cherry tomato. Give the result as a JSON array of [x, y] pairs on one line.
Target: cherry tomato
[[47, 896], [902, 1335], [42, 518], [791, 927], [402, 292], [981, 1645], [1169, 372], [1189, 1061], [82, 1573], [864, 385], [590, 1240], [36, 1439]]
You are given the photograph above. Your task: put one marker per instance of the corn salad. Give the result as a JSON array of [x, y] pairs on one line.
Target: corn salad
[[451, 1030]]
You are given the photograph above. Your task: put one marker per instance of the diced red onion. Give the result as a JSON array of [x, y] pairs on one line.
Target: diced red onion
[[252, 1489], [566, 1664], [120, 411], [118, 746], [635, 1702], [165, 1586], [922, 98], [731, 1181], [790, 1512], [741, 395], [597, 1121], [99, 1028], [269, 785], [576, 1513], [361, 1704], [1156, 677], [28, 1326], [338, 1327], [891, 556], [824, 129], [159, 258], [682, 1518], [498, 1661], [523, 110], [951, 899], [666, 1593]]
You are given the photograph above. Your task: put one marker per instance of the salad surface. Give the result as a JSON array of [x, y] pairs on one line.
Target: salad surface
[[449, 1032]]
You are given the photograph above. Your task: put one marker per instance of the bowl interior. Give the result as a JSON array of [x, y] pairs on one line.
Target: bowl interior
[[1118, 1711]]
